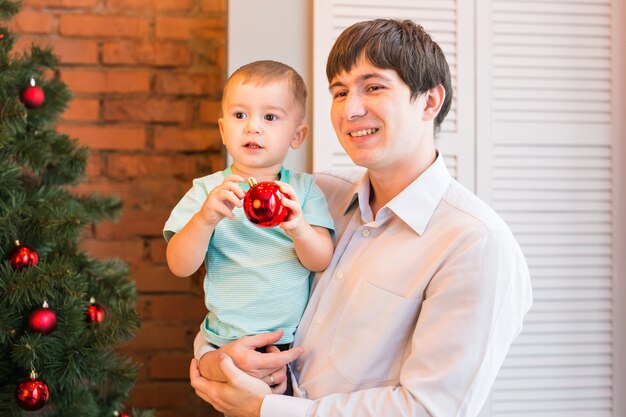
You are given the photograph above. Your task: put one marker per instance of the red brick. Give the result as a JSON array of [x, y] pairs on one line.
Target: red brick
[[147, 110], [161, 395], [29, 21], [105, 26], [94, 165], [188, 308], [154, 192], [85, 110], [169, 27], [106, 81], [107, 136], [214, 6], [159, 5], [68, 51], [159, 279], [189, 84], [130, 251], [170, 366], [196, 139], [61, 3], [156, 54], [133, 166], [134, 222], [157, 250], [161, 334], [210, 111]]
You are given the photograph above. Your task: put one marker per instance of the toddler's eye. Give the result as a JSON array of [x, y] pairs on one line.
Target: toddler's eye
[[240, 115], [271, 117]]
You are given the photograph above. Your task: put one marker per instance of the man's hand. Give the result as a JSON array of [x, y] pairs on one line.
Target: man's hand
[[269, 367], [240, 396]]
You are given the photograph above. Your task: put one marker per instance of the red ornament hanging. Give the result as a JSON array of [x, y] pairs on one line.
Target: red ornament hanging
[[262, 204], [95, 312], [121, 414], [32, 394], [23, 256], [42, 320], [32, 96]]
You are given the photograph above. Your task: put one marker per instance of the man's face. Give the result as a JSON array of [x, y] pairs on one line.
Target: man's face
[[375, 120]]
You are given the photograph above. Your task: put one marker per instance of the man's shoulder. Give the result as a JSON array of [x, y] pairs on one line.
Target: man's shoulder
[[339, 179]]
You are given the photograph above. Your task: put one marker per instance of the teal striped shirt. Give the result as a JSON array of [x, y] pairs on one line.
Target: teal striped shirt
[[254, 281]]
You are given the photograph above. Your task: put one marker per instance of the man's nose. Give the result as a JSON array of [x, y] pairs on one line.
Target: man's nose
[[354, 106]]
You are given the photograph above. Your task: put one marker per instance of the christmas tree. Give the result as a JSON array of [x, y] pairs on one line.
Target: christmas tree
[[61, 312]]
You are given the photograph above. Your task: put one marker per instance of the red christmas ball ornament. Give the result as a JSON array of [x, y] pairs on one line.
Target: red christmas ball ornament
[[23, 256], [262, 204], [32, 96], [121, 414], [33, 394], [95, 312], [42, 320]]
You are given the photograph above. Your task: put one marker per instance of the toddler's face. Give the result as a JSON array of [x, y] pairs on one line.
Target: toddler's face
[[260, 123]]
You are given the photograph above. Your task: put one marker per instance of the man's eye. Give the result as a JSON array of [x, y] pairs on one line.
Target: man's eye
[[376, 87], [240, 115], [340, 94], [271, 117]]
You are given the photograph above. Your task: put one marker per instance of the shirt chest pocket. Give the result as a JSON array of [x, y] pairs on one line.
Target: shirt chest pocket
[[372, 334]]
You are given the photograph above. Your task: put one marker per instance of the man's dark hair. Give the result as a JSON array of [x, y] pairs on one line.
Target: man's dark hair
[[400, 45]]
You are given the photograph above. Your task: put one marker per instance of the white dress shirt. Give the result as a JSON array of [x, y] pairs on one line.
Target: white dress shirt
[[417, 309]]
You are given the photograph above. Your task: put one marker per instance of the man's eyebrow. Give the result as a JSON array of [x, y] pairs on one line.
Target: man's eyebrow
[[363, 77]]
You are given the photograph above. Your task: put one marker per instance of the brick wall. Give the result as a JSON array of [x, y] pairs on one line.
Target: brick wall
[[147, 77]]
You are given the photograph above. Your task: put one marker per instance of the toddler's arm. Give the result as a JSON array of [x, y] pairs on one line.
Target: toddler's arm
[[313, 244], [187, 248]]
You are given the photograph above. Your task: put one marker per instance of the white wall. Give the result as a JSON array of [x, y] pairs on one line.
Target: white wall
[[280, 30]]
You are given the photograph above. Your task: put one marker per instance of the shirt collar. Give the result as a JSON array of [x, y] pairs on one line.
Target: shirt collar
[[416, 204], [283, 175]]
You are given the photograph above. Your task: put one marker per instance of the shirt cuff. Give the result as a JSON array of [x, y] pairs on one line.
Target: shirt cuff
[[201, 346], [284, 406]]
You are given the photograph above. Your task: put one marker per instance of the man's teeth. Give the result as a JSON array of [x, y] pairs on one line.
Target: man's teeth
[[363, 132]]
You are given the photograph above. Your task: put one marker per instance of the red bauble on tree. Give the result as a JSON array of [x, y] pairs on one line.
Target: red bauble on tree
[[121, 414], [32, 96], [33, 394], [42, 320], [262, 204], [23, 256], [95, 312]]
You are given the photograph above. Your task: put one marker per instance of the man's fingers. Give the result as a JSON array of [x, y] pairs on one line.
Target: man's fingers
[[279, 388], [240, 379], [275, 360], [264, 339]]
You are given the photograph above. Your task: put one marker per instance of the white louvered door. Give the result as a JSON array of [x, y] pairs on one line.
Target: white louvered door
[[544, 140], [532, 131], [455, 37]]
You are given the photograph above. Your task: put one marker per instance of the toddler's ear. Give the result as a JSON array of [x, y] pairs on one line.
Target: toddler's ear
[[299, 136], [220, 122]]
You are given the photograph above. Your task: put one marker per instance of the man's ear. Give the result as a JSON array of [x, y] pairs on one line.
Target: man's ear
[[219, 123], [299, 136], [434, 100]]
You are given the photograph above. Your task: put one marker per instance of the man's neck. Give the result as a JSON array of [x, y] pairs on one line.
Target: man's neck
[[386, 185]]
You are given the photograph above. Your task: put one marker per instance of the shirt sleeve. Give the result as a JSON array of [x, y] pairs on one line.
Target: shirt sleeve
[[473, 309], [189, 205], [314, 206]]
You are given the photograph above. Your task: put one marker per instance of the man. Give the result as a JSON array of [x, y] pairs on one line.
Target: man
[[427, 287]]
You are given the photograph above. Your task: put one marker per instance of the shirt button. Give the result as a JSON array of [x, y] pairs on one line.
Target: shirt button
[[339, 275], [365, 233], [318, 320]]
